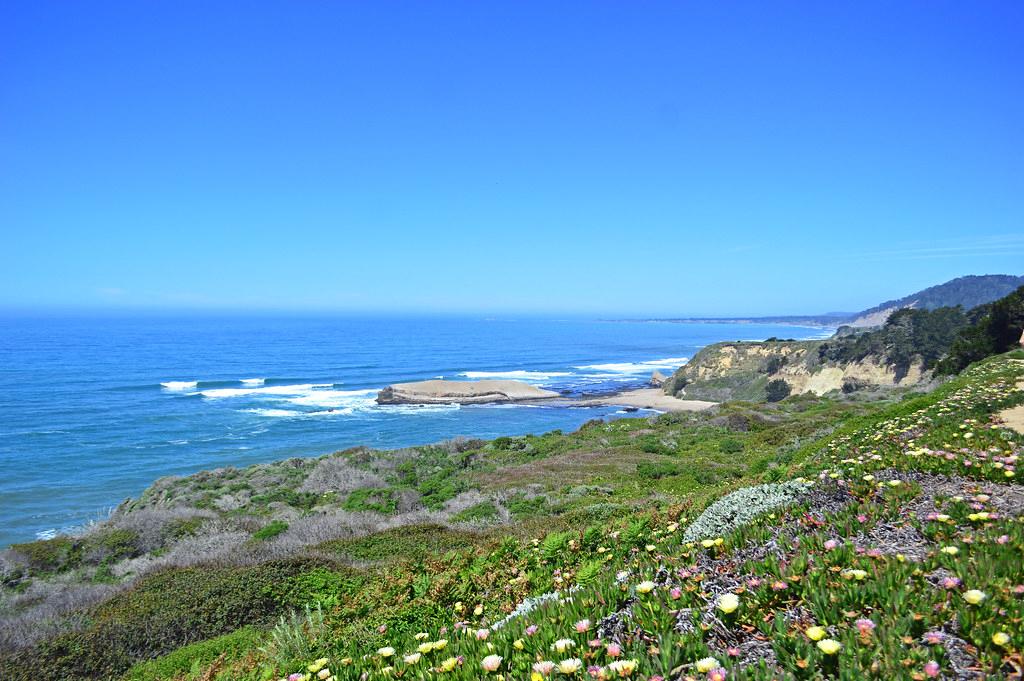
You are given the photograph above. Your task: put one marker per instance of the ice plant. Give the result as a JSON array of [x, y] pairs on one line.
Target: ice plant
[[829, 646], [706, 664], [974, 596], [728, 603], [491, 663], [570, 666]]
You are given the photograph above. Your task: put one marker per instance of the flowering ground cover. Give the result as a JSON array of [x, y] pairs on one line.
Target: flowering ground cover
[[898, 554]]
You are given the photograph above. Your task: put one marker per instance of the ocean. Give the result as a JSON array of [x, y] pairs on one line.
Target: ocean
[[94, 409]]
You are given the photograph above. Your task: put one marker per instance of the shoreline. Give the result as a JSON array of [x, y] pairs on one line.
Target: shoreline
[[647, 398]]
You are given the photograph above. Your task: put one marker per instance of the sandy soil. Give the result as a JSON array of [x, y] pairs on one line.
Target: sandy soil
[[652, 398]]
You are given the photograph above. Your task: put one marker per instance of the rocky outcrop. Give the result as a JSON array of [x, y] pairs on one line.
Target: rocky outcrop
[[658, 379], [461, 392]]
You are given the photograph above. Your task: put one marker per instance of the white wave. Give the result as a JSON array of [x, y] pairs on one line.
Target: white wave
[[275, 413], [637, 367], [46, 534], [179, 385], [516, 375], [418, 408], [253, 382], [221, 393], [336, 399]]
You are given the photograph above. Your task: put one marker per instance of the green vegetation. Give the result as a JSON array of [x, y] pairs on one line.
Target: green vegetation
[[995, 328], [270, 530], [777, 390]]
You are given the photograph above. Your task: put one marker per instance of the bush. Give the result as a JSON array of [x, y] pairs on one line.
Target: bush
[[49, 555], [370, 499], [270, 530], [730, 446], [777, 390], [193, 658], [655, 470], [161, 613]]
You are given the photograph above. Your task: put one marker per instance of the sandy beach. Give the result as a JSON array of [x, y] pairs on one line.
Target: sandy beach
[[651, 398]]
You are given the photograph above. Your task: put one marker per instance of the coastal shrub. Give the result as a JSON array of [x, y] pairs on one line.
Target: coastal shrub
[[653, 470], [270, 530], [481, 512], [370, 499], [161, 613], [48, 555], [730, 446], [323, 586], [191, 659], [777, 390], [742, 506]]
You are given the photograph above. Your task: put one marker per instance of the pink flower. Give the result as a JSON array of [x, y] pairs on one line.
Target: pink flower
[[753, 582], [582, 626], [933, 638], [931, 668], [1003, 539], [1018, 590], [779, 585], [732, 651], [676, 593], [594, 643], [831, 544], [861, 518], [294, 677], [482, 634], [594, 671], [864, 626], [950, 582], [716, 675], [531, 630], [613, 650], [382, 628]]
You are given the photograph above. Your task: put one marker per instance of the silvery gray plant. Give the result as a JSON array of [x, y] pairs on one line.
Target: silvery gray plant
[[742, 506]]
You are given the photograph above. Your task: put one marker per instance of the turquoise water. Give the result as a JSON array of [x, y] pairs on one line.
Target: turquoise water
[[95, 409]]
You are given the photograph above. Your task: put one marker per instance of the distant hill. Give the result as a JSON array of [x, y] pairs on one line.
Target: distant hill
[[967, 292]]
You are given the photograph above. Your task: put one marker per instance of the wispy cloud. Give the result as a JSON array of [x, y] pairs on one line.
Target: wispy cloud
[[1002, 245]]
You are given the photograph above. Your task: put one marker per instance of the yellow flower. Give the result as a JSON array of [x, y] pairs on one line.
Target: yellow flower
[[386, 651], [412, 658], [478, 610], [856, 574], [459, 607], [536, 676], [440, 644], [422, 636], [317, 665], [645, 587], [950, 550], [650, 547], [829, 646], [706, 664], [815, 633], [519, 644], [425, 648], [727, 603], [563, 644], [1000, 638], [449, 664], [974, 596]]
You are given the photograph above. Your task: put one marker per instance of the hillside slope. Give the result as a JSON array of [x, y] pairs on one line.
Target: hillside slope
[[967, 292]]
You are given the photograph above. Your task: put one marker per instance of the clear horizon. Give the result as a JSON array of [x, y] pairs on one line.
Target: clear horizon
[[508, 158]]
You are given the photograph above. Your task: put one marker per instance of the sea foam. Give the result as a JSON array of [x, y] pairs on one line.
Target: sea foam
[[518, 375], [179, 385], [637, 367]]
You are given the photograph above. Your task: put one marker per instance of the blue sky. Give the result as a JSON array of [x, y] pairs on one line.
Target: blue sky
[[603, 157]]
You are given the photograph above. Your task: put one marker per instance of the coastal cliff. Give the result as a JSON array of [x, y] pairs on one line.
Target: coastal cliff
[[726, 371]]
